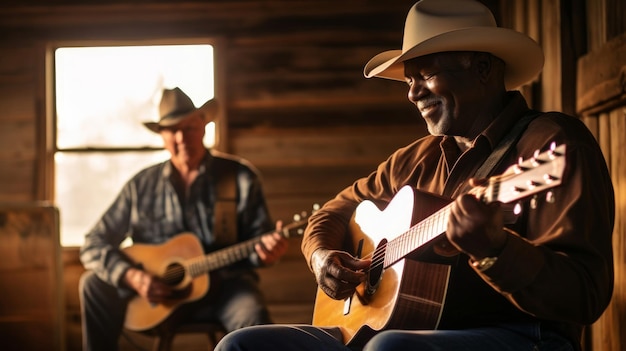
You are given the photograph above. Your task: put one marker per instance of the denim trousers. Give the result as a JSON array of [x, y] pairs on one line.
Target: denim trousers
[[239, 304], [506, 337]]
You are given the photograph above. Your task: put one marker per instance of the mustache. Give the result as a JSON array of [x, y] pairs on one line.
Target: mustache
[[427, 102]]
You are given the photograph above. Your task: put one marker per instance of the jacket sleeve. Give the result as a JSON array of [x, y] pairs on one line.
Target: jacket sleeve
[[558, 264], [328, 226]]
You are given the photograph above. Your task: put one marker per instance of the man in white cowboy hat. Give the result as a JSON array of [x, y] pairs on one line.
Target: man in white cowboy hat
[[196, 191], [471, 277]]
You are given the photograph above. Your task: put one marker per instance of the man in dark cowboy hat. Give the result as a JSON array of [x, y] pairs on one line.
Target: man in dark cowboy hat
[[177, 196], [469, 276]]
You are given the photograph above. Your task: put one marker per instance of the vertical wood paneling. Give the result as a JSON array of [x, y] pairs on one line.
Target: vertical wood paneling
[[551, 98], [607, 332], [601, 101], [596, 24]]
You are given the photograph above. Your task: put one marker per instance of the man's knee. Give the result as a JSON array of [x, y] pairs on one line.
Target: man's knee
[[396, 340]]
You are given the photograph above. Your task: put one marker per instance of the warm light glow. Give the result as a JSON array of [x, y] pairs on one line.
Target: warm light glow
[[103, 96]]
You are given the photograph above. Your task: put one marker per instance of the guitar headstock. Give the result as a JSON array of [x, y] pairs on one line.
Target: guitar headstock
[[300, 221], [527, 177]]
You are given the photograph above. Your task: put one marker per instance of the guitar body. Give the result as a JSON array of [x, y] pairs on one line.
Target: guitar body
[[165, 261], [409, 294], [182, 264]]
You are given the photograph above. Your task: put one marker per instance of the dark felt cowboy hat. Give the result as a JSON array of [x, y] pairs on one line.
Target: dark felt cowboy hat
[[176, 105], [434, 26]]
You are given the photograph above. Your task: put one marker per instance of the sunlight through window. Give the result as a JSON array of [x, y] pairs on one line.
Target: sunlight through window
[[103, 96]]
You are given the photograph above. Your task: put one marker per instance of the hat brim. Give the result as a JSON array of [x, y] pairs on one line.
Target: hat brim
[[209, 111], [523, 56]]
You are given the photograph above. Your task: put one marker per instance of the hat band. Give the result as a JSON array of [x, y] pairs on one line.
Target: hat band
[[176, 113]]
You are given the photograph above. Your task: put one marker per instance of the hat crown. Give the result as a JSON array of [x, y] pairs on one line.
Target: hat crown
[[430, 18], [175, 102]]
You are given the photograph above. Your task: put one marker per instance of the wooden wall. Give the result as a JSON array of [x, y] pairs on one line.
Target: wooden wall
[[295, 99], [30, 275], [602, 104]]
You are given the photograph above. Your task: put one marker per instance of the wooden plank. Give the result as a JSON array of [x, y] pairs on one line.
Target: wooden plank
[[16, 180], [17, 99], [33, 13], [327, 111], [596, 24], [610, 329], [31, 310], [348, 146], [18, 140], [288, 282], [602, 84], [16, 63], [310, 181], [551, 98]]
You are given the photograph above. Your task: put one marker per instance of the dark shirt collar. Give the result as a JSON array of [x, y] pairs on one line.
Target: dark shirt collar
[[514, 110]]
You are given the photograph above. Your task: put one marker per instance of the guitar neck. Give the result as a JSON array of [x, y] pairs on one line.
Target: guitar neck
[[235, 253], [222, 258], [541, 172], [417, 236]]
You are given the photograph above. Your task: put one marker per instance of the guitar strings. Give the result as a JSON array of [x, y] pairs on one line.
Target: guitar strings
[[493, 184], [413, 238]]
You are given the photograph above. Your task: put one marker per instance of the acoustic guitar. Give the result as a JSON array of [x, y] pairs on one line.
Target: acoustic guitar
[[181, 263], [400, 291]]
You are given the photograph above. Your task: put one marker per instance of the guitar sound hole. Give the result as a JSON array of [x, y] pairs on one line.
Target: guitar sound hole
[[174, 274], [376, 269]]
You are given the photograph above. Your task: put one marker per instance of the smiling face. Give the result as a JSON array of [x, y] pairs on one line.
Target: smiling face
[[449, 91], [184, 141]]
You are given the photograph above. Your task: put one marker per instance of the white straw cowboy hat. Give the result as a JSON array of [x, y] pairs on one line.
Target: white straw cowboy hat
[[175, 106], [434, 26]]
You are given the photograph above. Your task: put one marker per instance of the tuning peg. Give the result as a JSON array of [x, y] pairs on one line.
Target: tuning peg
[[519, 168], [553, 152], [517, 209], [550, 197], [535, 160], [296, 217], [533, 202], [549, 178]]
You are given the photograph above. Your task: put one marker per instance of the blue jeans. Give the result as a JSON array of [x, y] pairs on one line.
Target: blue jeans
[[508, 337]]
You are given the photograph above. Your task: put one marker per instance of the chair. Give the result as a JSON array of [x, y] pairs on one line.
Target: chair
[[164, 338]]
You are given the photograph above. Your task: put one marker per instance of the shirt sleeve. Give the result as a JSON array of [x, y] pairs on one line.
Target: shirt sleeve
[[254, 217], [100, 251]]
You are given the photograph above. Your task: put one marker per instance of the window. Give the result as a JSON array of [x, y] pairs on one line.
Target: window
[[103, 94]]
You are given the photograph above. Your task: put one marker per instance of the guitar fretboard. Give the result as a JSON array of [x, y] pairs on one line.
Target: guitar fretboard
[[417, 236], [235, 253], [222, 258]]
